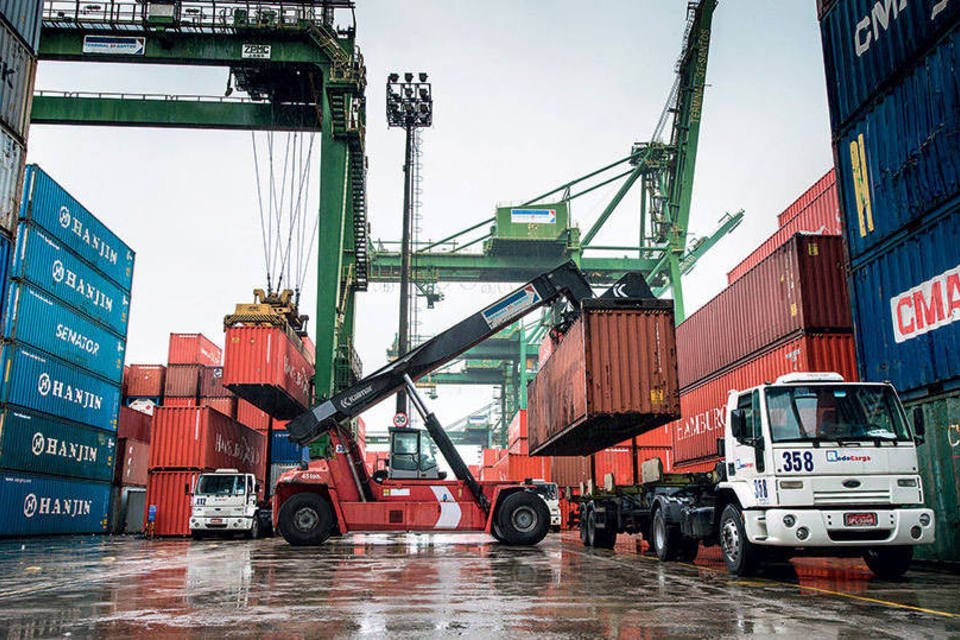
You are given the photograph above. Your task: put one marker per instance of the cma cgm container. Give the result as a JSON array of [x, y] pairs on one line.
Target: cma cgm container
[[193, 348], [24, 17], [267, 367], [36, 381], [50, 266], [145, 380], [907, 309], [868, 43], [800, 286], [11, 179], [702, 407], [41, 321], [201, 438], [16, 90], [167, 493], [39, 444], [32, 504], [901, 159], [613, 376], [49, 206]]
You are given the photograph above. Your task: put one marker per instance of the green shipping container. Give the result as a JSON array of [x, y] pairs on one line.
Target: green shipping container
[[940, 469], [523, 229], [38, 444]]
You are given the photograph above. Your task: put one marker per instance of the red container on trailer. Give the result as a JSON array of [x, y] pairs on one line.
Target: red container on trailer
[[703, 407], [179, 402], [249, 416], [201, 438], [211, 383], [226, 406], [816, 212], [144, 380], [664, 453], [193, 348], [167, 490], [183, 381], [801, 286], [617, 461], [267, 367], [133, 459], [570, 471], [659, 437], [516, 468], [134, 425]]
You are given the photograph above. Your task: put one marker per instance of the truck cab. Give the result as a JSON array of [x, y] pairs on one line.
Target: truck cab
[[225, 502], [551, 495], [812, 463]]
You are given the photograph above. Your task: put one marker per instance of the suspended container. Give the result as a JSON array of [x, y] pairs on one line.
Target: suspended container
[[44, 505], [145, 380], [133, 459], [134, 425], [33, 380], [182, 381], [249, 416], [267, 367], [48, 205], [12, 157], [43, 322], [612, 377], [193, 349], [51, 267], [201, 438], [16, 91], [35, 443], [168, 497], [23, 16]]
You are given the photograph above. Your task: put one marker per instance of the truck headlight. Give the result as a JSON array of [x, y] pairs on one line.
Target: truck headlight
[[803, 533], [791, 484], [925, 519], [907, 482], [789, 520]]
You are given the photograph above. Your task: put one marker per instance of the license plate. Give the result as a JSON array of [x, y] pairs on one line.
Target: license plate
[[216, 520], [860, 519]]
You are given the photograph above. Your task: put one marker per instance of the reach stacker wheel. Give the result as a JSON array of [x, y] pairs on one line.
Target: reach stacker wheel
[[741, 555], [889, 562], [305, 519], [524, 519]]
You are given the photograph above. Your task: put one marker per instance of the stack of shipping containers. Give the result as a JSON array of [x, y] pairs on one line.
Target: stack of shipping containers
[[65, 323], [130, 475], [191, 358], [893, 83]]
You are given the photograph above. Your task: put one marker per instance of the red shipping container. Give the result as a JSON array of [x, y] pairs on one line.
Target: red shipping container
[[659, 437], [193, 348], [133, 459], [166, 491], [817, 212], [518, 427], [490, 456], [179, 402], [202, 438], [280, 425], [570, 471], [226, 406], [801, 286], [309, 350], [546, 349], [144, 380], [703, 407], [266, 366], [519, 447], [647, 453], [705, 466], [249, 416], [134, 425], [617, 461], [514, 468], [211, 383], [474, 470], [183, 381]]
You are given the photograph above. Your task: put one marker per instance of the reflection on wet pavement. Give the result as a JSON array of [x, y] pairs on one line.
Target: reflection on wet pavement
[[409, 585]]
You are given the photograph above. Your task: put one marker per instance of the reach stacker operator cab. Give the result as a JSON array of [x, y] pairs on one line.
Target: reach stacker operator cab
[[337, 495]]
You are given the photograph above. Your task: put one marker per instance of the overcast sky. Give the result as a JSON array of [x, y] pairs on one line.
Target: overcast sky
[[528, 94]]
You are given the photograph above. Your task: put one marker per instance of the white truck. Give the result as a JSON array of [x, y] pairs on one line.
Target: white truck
[[551, 495], [810, 465], [226, 502]]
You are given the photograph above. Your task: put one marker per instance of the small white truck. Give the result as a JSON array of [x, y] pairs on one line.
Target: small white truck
[[551, 495], [810, 465], [226, 502]]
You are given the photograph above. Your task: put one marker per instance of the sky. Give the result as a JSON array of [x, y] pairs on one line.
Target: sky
[[527, 93]]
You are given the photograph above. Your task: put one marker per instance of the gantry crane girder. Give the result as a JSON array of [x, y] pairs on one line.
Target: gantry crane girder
[[301, 72]]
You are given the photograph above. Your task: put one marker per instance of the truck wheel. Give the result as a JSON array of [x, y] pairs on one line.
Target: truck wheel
[[605, 538], [495, 532], [254, 532], [663, 538], [305, 519], [739, 553], [524, 518], [586, 521], [889, 562]]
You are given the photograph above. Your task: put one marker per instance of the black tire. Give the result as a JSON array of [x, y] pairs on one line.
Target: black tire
[[254, 532], [524, 519], [741, 555], [889, 562], [662, 537], [604, 537], [305, 519], [688, 550], [495, 532], [586, 517]]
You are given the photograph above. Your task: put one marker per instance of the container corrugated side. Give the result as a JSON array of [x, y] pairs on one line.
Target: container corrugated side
[[193, 348], [12, 157], [201, 438], [283, 450], [906, 305], [800, 286], [51, 207], [33, 380], [16, 90], [134, 425], [817, 211], [517, 429], [133, 460], [517, 468], [901, 160], [868, 43], [703, 407], [24, 17], [211, 383], [145, 380], [182, 381], [266, 367], [226, 406], [939, 459], [570, 471], [166, 492], [43, 505], [43, 322], [249, 416], [617, 462], [6, 249], [39, 444], [50, 266]]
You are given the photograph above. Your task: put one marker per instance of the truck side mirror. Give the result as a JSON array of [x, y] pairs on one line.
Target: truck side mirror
[[738, 424], [721, 448], [919, 428]]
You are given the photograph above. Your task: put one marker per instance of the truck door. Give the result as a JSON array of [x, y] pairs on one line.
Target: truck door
[[746, 459]]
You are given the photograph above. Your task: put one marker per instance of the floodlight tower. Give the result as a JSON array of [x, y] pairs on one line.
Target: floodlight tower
[[409, 105]]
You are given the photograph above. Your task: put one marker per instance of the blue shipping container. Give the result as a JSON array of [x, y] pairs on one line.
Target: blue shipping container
[[33, 380], [284, 451], [24, 17], [44, 262], [43, 505], [45, 323], [39, 444], [906, 309], [902, 159], [49, 206], [867, 43]]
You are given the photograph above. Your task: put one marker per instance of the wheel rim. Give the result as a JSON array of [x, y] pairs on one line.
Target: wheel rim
[[524, 519], [306, 519], [730, 540], [659, 533]]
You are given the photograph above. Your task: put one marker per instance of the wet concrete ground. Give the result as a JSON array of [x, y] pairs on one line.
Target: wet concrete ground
[[443, 586]]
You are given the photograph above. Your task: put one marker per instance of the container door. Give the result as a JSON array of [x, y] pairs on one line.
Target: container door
[[136, 501]]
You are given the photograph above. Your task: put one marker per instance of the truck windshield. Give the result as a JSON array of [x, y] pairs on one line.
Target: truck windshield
[[221, 485], [834, 412]]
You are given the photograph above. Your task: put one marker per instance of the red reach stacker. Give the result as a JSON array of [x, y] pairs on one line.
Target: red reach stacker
[[337, 495]]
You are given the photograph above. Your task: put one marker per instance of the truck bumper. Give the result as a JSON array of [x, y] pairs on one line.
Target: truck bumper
[[233, 523], [826, 528]]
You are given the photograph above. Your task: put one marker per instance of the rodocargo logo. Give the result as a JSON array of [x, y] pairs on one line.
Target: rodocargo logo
[[927, 306]]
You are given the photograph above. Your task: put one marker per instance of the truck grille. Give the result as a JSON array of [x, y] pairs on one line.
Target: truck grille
[[847, 497]]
